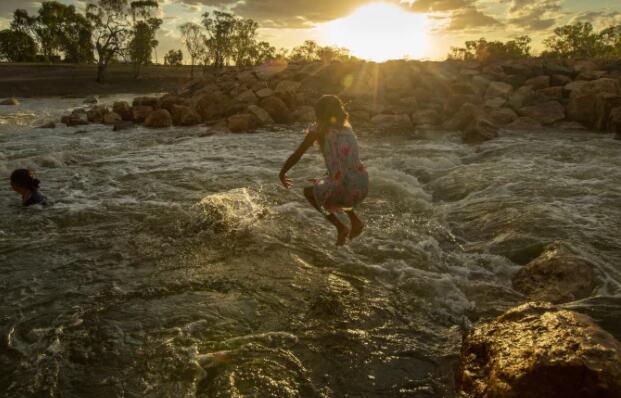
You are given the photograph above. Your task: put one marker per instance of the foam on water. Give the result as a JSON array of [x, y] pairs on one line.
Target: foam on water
[[173, 264]]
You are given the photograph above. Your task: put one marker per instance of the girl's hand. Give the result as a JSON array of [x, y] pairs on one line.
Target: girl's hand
[[286, 181]]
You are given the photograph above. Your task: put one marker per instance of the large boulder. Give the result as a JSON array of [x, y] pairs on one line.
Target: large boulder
[[277, 109], [97, 113], [614, 123], [538, 82], [464, 117], [146, 101], [536, 351], [185, 116], [247, 97], [169, 101], [502, 116], [160, 118], [92, 100], [288, 87], [305, 113], [392, 122], [247, 77], [260, 115], [212, 105], [479, 131], [123, 109], [547, 113], [140, 113], [498, 89], [557, 276], [524, 123], [241, 123], [111, 118], [74, 120], [591, 102], [520, 97], [426, 118], [265, 92]]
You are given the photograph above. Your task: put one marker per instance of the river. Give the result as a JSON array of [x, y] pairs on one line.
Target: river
[[173, 264]]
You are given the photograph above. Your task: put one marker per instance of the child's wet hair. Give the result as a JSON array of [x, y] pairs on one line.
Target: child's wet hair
[[330, 112], [24, 178]]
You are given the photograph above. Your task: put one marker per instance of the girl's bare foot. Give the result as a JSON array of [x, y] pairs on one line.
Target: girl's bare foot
[[356, 228], [343, 233]]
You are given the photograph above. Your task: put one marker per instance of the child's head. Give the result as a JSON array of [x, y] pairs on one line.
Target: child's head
[[23, 179], [330, 112]]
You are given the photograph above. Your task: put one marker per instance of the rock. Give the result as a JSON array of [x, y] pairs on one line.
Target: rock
[[123, 125], [463, 88], [502, 116], [212, 105], [538, 82], [393, 122], [557, 69], [74, 120], [264, 93], [247, 97], [260, 115], [185, 116], [140, 113], [481, 84], [123, 109], [568, 125], [556, 93], [524, 123], [247, 77], [158, 119], [10, 102], [614, 123], [547, 113], [559, 80], [111, 118], [268, 71], [591, 75], [576, 85], [466, 115], [169, 101], [498, 89], [497, 102], [288, 87], [96, 114], [242, 123], [305, 114], [479, 131], [146, 101], [535, 351], [277, 109], [518, 99], [556, 276], [591, 103], [584, 66], [50, 125], [426, 118], [91, 100]]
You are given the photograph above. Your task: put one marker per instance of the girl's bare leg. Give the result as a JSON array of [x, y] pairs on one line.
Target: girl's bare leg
[[356, 224], [341, 230]]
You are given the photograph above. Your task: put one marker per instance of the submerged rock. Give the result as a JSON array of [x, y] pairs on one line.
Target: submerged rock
[[10, 102], [50, 125], [242, 123], [479, 131], [524, 123], [539, 351], [123, 125], [590, 103], [557, 276]]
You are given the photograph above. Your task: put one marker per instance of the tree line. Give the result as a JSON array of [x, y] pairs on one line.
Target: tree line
[[578, 40]]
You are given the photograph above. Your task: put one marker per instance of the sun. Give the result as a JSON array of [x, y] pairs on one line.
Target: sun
[[379, 32]]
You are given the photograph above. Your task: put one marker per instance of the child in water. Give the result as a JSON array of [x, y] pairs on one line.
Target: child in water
[[347, 182], [24, 183]]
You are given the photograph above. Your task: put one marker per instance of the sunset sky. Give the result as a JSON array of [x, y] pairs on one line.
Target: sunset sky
[[420, 29]]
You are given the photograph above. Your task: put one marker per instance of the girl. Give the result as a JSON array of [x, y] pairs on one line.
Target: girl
[[347, 182], [24, 183]]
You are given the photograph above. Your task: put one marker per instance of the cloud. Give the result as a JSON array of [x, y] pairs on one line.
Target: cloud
[[8, 6], [439, 5], [471, 18], [534, 15], [599, 19]]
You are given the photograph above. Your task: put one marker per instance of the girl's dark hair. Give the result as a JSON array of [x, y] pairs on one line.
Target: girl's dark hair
[[330, 112], [24, 178]]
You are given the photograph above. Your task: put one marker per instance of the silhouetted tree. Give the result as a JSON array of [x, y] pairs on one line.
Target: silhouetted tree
[[483, 50], [16, 46], [173, 58], [111, 29], [307, 52], [220, 30], [145, 26], [194, 40], [576, 40]]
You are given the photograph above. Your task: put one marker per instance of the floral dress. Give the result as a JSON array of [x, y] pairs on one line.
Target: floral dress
[[347, 183]]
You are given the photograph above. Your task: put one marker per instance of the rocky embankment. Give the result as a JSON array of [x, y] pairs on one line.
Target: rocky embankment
[[476, 99]]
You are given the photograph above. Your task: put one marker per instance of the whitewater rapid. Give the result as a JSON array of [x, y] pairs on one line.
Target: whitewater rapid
[[172, 264]]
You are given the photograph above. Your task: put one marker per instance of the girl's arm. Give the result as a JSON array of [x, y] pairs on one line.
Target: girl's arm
[[309, 140]]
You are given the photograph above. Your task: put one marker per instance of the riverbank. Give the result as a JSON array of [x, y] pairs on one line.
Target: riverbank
[[69, 80]]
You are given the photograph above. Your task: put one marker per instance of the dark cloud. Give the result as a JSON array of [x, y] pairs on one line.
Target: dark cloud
[[471, 18], [534, 14]]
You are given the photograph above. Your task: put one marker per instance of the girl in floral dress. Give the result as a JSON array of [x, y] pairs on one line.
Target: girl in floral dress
[[347, 182]]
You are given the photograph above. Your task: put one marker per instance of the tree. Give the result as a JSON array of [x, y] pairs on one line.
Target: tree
[[263, 52], [307, 52], [328, 54], [611, 38], [111, 29], [194, 40], [483, 50], [145, 27], [16, 46], [75, 39], [173, 58], [577, 40], [244, 41], [220, 29]]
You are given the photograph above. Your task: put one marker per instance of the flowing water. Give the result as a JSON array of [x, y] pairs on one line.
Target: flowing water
[[172, 264]]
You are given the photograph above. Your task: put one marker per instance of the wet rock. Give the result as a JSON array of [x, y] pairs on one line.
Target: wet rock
[[242, 123], [603, 108], [498, 89], [185, 116], [535, 351], [74, 120], [212, 105], [556, 276], [50, 125], [591, 102], [140, 113], [568, 125], [614, 123], [169, 101], [146, 101], [123, 109], [96, 114], [305, 113], [479, 131], [111, 118], [547, 113], [260, 115], [10, 102], [123, 125], [524, 123], [158, 119], [463, 118], [90, 100], [277, 109], [538, 82], [502, 116], [392, 122]]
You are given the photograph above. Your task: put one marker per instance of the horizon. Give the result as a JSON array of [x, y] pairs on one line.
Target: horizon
[[434, 26]]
